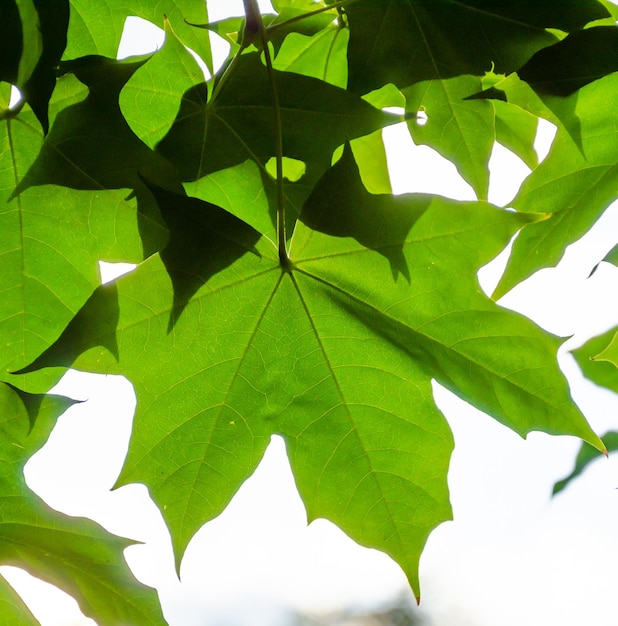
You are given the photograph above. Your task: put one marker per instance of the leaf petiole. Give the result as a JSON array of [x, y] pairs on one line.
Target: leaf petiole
[[254, 21]]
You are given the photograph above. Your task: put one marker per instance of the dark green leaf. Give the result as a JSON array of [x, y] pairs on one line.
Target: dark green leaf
[[317, 118], [577, 60], [408, 42], [11, 42], [239, 124], [204, 240], [53, 24]]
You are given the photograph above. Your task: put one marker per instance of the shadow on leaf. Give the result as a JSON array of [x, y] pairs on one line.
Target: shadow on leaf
[[204, 240], [101, 310], [91, 147], [340, 206]]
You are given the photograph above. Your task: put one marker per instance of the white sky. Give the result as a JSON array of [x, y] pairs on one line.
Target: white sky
[[512, 556]]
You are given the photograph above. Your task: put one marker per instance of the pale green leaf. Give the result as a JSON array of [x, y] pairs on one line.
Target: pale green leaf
[[12, 608], [461, 130], [370, 155], [599, 371], [322, 55], [516, 130], [151, 97], [96, 27], [575, 183]]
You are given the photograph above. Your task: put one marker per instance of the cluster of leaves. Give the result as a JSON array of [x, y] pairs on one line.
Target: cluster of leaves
[[281, 288]]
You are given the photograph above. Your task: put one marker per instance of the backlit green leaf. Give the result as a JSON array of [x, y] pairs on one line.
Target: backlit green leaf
[[13, 609], [281, 288], [461, 130], [575, 183], [151, 98], [610, 353], [336, 354], [61, 220], [96, 27], [74, 554], [322, 55]]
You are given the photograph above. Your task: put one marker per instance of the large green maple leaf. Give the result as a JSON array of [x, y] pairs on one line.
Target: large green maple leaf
[[335, 352], [74, 554]]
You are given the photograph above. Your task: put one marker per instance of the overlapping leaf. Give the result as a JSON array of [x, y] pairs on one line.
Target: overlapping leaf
[[461, 130], [74, 554], [574, 62], [33, 37], [335, 353], [238, 125], [60, 220], [413, 41], [96, 27], [150, 100], [601, 369], [575, 183], [334, 350]]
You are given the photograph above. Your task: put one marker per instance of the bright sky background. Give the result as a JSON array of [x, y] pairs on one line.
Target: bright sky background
[[512, 556]]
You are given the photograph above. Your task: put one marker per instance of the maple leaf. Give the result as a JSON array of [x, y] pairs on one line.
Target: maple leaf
[[336, 354]]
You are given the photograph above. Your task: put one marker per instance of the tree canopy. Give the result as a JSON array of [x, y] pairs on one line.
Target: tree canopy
[[281, 287]]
